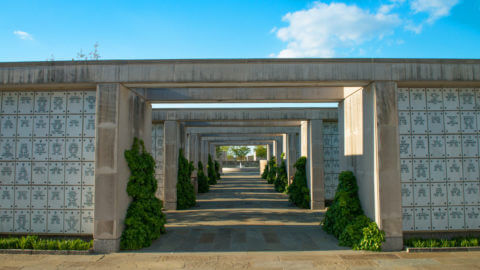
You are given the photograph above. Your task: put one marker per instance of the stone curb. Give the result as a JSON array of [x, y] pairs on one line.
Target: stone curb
[[440, 249], [46, 252]]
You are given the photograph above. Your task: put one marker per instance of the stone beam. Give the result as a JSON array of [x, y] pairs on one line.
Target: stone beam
[[238, 72], [288, 123], [263, 114], [242, 130], [243, 94]]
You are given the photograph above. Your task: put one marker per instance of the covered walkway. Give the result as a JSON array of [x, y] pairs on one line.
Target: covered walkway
[[243, 213]]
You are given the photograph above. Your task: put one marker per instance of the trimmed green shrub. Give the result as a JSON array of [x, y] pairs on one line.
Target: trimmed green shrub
[[217, 169], [202, 179], [272, 170], [145, 221], [265, 172], [185, 190], [34, 242], [298, 191], [346, 221], [454, 242], [212, 176], [282, 178]]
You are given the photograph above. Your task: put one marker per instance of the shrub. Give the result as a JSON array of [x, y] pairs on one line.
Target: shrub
[[298, 191], [265, 172], [345, 206], [185, 189], [272, 170], [212, 177], [454, 242], [217, 169], [144, 221], [202, 179], [34, 242], [282, 178], [346, 221]]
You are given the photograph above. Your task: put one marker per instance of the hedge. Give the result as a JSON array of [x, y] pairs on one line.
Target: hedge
[[272, 170], [217, 169], [202, 179], [212, 176], [346, 221], [298, 191], [34, 242], [144, 221], [185, 190], [282, 179]]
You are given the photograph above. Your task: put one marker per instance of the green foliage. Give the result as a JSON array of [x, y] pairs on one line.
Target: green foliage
[[346, 221], [282, 178], [265, 172], [185, 190], [298, 191], [144, 221], [431, 243], [34, 242], [372, 238], [212, 176], [345, 206], [217, 169], [260, 151], [272, 170], [202, 179], [240, 152]]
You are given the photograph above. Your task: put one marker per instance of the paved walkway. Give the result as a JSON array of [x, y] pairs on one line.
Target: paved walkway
[[243, 213], [243, 224]]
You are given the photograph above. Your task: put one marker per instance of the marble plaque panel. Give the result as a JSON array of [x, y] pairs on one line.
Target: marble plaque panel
[[450, 99], [56, 173], [73, 173], [24, 149], [439, 218], [57, 125], [7, 149], [25, 102], [39, 221], [42, 102], [452, 122], [56, 149], [88, 197], [423, 219], [455, 194], [438, 170], [89, 125], [420, 146], [8, 126], [72, 221], [421, 194], [436, 146], [406, 169], [24, 126], [7, 197], [434, 99], [40, 149], [41, 126], [73, 197], [73, 149], [421, 171], [6, 220], [417, 99], [7, 173], [454, 170], [471, 191], [74, 126], [74, 102], [438, 193], [39, 173], [436, 123], [58, 103], [407, 194], [21, 221], [405, 146], [55, 221], [467, 98], [56, 196], [88, 149], [419, 122], [408, 219], [89, 102], [453, 145], [39, 197], [87, 221], [468, 123], [470, 169], [23, 175], [403, 99], [472, 217], [456, 217], [9, 103], [88, 170]]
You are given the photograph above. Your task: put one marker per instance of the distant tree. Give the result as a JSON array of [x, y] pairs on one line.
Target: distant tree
[[240, 152], [261, 151], [220, 149]]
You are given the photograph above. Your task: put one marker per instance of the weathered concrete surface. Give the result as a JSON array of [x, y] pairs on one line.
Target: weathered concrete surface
[[272, 123], [116, 129], [240, 72], [206, 131], [252, 94], [171, 150], [264, 114]]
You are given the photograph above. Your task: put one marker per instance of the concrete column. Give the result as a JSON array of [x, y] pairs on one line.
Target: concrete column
[[291, 155], [278, 150], [195, 144], [121, 116], [170, 163], [315, 164], [269, 151], [371, 150]]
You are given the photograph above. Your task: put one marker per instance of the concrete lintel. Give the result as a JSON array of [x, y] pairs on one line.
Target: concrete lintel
[[263, 114], [242, 130], [273, 123]]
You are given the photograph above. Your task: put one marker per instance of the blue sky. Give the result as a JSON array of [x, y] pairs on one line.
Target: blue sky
[[36, 30]]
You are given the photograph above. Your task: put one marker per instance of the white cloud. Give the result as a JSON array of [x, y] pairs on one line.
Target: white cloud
[[23, 35], [434, 8], [322, 29]]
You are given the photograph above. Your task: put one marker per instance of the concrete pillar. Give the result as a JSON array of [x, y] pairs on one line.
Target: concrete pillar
[[195, 148], [291, 154], [315, 164], [269, 151], [278, 150], [121, 116], [170, 163], [371, 150]]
